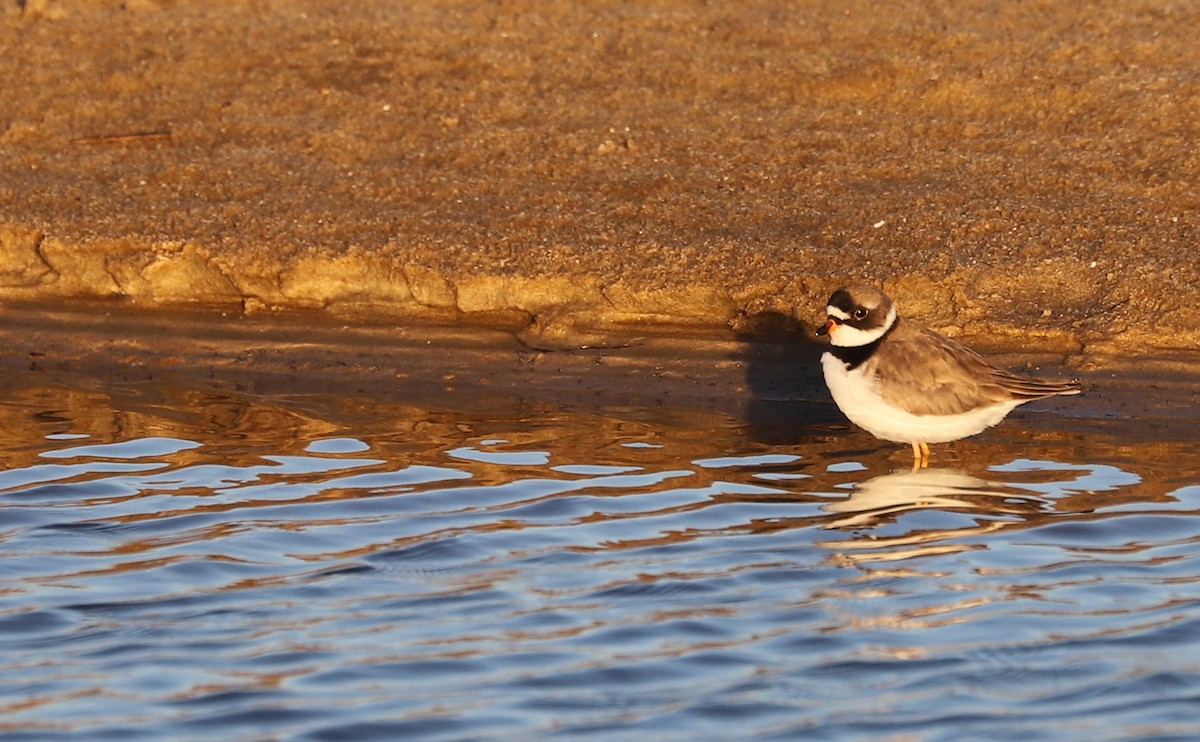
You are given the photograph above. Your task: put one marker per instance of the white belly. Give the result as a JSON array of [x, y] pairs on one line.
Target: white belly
[[857, 395]]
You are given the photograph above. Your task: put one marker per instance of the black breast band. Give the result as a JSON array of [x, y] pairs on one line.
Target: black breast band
[[857, 355]]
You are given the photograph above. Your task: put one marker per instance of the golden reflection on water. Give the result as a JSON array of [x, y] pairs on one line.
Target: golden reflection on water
[[500, 441]]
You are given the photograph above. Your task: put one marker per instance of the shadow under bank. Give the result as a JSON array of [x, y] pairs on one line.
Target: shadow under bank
[[770, 358], [766, 372]]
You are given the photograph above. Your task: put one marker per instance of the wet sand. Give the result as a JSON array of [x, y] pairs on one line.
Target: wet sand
[[773, 383], [1021, 175]]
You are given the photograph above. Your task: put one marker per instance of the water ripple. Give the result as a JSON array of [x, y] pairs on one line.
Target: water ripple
[[255, 569]]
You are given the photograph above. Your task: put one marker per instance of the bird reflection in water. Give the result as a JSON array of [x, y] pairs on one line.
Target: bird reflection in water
[[967, 506]]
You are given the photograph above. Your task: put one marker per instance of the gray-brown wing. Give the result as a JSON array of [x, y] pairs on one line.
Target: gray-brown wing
[[928, 374]]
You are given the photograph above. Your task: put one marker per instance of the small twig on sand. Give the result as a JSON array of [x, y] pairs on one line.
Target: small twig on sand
[[124, 138]]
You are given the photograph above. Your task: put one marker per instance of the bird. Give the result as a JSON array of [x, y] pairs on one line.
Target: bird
[[902, 382]]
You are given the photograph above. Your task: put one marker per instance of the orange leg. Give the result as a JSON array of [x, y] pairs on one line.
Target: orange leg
[[920, 455]]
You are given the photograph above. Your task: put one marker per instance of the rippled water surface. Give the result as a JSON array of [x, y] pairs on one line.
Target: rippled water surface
[[183, 563]]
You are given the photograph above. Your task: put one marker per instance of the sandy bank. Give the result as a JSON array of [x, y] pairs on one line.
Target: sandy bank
[[578, 172]]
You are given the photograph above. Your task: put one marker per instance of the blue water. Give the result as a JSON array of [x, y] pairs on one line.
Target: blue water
[[193, 564]]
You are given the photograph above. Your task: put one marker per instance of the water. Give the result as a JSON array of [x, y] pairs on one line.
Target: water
[[187, 563]]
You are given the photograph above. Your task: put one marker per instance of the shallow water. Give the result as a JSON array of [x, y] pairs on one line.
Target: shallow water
[[188, 563]]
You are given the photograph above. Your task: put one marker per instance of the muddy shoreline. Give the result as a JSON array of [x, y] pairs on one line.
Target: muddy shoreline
[[579, 176], [769, 380]]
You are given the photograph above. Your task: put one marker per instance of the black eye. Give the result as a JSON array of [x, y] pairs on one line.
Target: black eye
[[860, 313]]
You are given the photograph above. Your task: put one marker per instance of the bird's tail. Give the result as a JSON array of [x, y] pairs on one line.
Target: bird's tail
[[1023, 387]]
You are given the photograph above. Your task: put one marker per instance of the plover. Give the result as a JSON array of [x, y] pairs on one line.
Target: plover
[[906, 383]]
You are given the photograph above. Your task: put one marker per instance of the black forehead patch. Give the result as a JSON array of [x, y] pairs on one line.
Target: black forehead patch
[[843, 301]]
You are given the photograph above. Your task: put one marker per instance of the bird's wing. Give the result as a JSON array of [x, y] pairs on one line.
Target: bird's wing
[[928, 374]]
